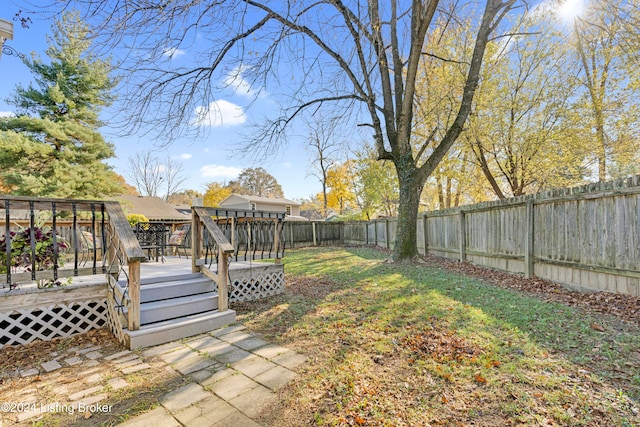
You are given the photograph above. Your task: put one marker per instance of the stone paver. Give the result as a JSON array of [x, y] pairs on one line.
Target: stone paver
[[254, 400], [51, 365], [230, 375], [270, 351], [117, 383], [235, 355], [118, 355], [275, 378], [135, 368], [205, 412], [83, 393], [250, 343], [233, 386], [29, 372], [157, 417], [184, 396], [93, 355], [192, 363], [73, 360], [253, 365], [290, 359]]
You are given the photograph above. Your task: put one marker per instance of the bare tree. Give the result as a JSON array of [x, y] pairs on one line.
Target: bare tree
[[324, 146], [153, 177], [357, 58]]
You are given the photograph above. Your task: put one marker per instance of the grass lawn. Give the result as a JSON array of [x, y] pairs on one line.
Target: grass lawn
[[407, 345]]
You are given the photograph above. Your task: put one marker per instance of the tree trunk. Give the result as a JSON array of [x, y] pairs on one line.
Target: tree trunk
[[406, 240]]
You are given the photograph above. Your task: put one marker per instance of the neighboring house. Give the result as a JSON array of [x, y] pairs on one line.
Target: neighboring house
[[268, 204], [154, 208]]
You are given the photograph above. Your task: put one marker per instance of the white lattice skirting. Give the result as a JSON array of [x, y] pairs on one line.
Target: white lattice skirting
[[259, 281], [26, 325]]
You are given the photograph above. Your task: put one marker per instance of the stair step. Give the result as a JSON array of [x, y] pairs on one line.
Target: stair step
[[171, 287], [171, 330], [158, 311], [175, 289]]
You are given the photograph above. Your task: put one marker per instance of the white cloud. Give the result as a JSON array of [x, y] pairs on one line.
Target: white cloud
[[219, 113], [185, 156], [236, 81], [6, 114], [219, 171], [173, 52]]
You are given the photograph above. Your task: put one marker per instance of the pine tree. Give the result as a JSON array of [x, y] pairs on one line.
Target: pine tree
[[52, 147]]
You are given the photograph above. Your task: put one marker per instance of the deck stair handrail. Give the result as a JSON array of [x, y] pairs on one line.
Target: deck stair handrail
[[125, 253], [201, 217], [254, 234]]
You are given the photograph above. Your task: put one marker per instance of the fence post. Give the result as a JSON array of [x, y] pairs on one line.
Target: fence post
[[375, 232], [366, 233], [291, 234], [386, 232], [462, 236], [313, 230], [425, 234], [528, 239]]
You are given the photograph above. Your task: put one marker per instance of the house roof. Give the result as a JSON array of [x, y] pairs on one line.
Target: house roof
[[154, 208], [259, 199]]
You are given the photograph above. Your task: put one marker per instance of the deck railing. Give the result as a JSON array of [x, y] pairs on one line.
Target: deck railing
[[124, 254], [252, 234], [201, 222], [44, 240]]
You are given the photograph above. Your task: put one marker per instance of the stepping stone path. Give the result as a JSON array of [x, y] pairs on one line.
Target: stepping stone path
[[224, 378]]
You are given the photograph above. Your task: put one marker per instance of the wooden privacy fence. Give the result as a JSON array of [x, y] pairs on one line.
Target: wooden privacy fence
[[587, 236]]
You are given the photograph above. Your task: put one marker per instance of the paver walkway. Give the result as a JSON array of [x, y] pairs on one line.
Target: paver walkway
[[229, 376]]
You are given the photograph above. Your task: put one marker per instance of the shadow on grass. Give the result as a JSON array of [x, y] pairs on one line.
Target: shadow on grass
[[347, 304]]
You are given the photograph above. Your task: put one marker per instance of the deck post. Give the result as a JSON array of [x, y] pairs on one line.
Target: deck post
[[196, 232], [276, 240], [223, 281], [134, 295]]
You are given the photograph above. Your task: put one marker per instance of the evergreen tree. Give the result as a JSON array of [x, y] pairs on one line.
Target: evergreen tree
[[52, 147]]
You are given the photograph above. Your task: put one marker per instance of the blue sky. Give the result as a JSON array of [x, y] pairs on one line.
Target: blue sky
[[205, 159], [210, 157]]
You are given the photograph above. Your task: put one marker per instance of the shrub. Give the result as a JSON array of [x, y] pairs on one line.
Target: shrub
[[136, 218], [21, 253]]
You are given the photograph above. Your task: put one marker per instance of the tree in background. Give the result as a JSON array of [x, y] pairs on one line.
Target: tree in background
[[376, 186], [184, 197], [340, 195], [52, 147], [522, 134], [256, 182], [324, 147], [216, 193], [153, 177], [610, 77]]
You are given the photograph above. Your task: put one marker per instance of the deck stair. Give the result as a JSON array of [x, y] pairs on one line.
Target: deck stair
[[175, 307]]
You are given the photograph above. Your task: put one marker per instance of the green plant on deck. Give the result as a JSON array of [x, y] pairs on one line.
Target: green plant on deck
[[43, 255]]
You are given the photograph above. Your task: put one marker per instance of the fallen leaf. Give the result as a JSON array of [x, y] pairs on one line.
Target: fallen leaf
[[597, 327], [480, 379]]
